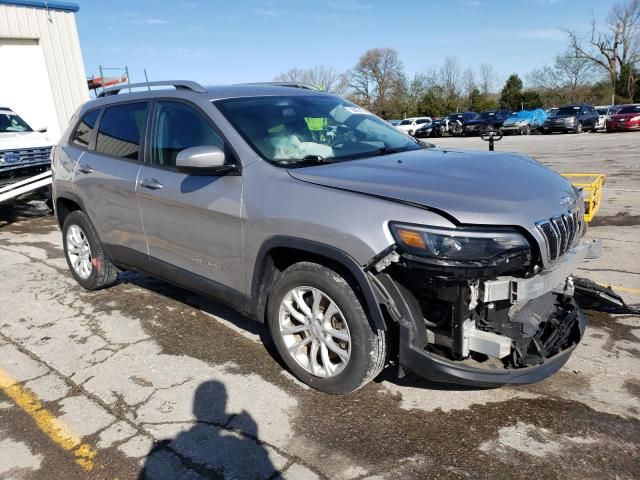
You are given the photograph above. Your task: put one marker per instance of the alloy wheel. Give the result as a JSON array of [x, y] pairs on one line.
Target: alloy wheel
[[79, 252], [314, 331]]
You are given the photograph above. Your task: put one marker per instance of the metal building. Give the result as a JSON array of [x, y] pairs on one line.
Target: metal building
[[42, 76]]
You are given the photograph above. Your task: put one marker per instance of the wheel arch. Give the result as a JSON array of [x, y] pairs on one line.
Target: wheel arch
[[279, 252], [65, 204]]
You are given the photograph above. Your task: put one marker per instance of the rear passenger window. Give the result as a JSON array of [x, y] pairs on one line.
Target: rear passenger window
[[82, 135], [121, 128], [178, 126]]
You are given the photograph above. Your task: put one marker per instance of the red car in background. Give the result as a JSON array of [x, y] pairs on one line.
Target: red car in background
[[626, 118]]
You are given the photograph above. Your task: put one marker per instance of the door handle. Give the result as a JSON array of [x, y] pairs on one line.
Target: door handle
[[150, 183], [85, 168]]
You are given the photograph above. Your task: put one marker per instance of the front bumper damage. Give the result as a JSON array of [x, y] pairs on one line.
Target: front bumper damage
[[486, 331]]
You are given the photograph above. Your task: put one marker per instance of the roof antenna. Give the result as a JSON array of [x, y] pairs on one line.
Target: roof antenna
[[147, 79]]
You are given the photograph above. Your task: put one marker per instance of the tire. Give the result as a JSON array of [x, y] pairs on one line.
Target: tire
[[365, 350], [579, 127], [100, 271], [410, 133], [526, 130]]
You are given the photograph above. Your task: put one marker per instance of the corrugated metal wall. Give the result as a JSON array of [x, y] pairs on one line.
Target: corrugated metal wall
[[57, 34]]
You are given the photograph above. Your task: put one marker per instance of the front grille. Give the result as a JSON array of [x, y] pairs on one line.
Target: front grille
[[24, 157], [560, 232]]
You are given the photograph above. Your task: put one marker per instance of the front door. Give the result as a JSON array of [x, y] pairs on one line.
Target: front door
[[191, 222]]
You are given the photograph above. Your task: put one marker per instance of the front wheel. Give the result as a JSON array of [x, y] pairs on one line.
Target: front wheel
[[321, 330], [579, 127]]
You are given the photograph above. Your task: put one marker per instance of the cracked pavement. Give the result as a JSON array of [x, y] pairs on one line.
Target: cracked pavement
[[152, 376]]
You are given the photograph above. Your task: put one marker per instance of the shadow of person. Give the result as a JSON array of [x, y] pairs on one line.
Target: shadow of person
[[208, 449]]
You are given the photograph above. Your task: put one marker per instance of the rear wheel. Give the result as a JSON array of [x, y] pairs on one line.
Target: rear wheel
[[321, 330], [85, 254]]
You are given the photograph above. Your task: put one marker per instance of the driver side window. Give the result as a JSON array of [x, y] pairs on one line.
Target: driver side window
[[177, 126]]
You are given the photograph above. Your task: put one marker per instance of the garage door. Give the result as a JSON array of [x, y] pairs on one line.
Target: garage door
[[24, 84]]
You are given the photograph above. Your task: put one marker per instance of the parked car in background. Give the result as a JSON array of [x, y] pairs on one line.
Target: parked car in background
[[452, 124], [604, 111], [572, 118], [242, 197], [524, 122], [410, 125], [394, 122], [551, 111], [24, 152], [626, 118], [487, 120]]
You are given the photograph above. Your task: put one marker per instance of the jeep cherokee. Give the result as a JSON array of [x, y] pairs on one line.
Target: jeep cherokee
[[356, 244]]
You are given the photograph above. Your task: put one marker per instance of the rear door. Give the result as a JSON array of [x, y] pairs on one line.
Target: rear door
[[106, 175], [191, 221]]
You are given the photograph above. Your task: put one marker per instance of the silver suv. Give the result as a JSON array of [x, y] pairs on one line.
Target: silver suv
[[357, 245]]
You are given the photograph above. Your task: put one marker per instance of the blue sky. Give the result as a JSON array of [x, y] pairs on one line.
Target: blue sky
[[217, 42]]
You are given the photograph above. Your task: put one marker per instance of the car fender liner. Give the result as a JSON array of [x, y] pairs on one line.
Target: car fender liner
[[371, 298]]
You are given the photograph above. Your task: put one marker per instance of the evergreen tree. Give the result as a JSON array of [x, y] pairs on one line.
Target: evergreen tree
[[511, 96]]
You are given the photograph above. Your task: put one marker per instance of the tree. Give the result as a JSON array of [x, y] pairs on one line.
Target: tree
[[615, 46], [323, 78], [451, 79], [531, 99], [376, 78], [488, 79], [432, 102], [479, 101], [567, 77], [511, 96], [468, 82]]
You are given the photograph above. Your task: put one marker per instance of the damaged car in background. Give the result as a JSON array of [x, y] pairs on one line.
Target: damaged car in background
[[358, 249]]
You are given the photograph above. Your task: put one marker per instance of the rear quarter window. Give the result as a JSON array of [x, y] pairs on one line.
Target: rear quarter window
[[82, 134], [121, 129]]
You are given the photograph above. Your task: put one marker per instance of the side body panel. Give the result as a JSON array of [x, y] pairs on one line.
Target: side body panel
[[194, 223]]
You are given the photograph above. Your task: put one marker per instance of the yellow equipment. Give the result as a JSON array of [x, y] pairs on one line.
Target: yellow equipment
[[591, 185]]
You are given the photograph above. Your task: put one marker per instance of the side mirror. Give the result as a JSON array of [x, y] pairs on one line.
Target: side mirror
[[41, 129], [204, 160]]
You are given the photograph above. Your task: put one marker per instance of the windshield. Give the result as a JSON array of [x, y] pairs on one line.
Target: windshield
[[602, 111], [567, 111], [10, 122], [629, 109], [300, 130], [406, 122]]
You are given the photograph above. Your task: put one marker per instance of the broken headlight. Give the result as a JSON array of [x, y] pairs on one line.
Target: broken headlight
[[471, 245]]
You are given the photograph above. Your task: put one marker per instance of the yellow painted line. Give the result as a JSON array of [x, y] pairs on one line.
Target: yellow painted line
[[56, 430], [626, 289]]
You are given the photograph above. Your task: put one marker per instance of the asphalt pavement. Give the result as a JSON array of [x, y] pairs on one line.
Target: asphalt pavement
[[146, 375]]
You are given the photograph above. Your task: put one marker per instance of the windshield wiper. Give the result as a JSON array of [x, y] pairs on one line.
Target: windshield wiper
[[388, 150], [305, 161]]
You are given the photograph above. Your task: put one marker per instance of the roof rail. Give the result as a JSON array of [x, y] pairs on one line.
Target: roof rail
[[179, 84], [305, 86]]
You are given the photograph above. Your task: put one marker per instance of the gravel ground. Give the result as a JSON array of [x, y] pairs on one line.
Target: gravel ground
[[99, 384]]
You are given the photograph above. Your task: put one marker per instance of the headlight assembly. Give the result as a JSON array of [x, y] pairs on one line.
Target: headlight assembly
[[458, 245]]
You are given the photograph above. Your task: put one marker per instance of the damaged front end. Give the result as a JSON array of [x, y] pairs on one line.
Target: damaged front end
[[480, 310]]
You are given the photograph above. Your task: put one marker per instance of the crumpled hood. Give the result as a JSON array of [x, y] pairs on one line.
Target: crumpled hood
[[19, 140], [473, 187]]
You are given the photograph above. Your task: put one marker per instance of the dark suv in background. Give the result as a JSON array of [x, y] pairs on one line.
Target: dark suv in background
[[572, 118], [487, 120]]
